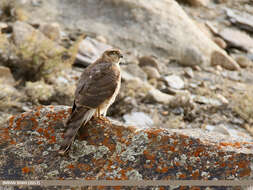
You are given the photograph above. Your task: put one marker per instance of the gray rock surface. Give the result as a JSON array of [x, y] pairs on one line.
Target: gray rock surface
[[107, 151], [158, 28]]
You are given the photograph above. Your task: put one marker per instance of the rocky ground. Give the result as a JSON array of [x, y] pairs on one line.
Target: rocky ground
[[172, 78]]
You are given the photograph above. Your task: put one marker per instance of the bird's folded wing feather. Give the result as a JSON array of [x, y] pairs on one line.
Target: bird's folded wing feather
[[97, 84]]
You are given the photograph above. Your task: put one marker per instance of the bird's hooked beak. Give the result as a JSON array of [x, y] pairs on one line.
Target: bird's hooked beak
[[122, 61]]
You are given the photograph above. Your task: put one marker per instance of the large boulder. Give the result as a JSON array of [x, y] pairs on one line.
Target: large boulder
[[158, 28], [30, 142]]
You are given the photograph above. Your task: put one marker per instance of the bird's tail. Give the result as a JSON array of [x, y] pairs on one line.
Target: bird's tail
[[79, 117]]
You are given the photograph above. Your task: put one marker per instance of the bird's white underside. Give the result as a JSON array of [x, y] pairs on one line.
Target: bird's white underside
[[105, 105]]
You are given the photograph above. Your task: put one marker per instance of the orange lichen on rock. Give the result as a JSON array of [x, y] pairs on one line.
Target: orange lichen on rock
[[27, 169]]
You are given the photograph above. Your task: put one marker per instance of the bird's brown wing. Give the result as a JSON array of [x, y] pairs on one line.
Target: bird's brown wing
[[97, 84]]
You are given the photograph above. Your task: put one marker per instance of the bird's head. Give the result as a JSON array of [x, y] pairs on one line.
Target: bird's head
[[112, 56]]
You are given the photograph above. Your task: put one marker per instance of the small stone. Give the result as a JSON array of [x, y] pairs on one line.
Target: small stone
[[210, 101], [160, 97], [139, 119], [219, 58], [220, 42], [174, 81], [191, 56], [222, 99], [151, 72], [188, 72], [101, 39], [148, 61], [243, 61]]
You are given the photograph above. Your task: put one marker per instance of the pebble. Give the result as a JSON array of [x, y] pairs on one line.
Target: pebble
[[148, 61], [189, 72], [243, 61], [151, 72], [174, 81]]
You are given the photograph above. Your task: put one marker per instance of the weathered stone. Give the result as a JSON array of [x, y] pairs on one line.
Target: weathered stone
[[160, 97], [237, 39], [174, 81], [243, 61], [241, 19], [219, 58], [37, 56], [220, 42], [107, 151], [151, 72], [148, 61], [189, 72], [39, 91], [131, 25]]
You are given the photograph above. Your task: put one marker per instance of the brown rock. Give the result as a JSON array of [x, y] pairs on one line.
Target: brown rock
[[220, 42], [148, 61], [243, 61], [196, 3], [151, 72], [219, 58], [108, 151]]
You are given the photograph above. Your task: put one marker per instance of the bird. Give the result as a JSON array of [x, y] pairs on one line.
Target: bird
[[96, 91]]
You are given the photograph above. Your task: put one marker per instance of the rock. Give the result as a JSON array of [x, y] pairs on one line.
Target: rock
[[10, 98], [220, 42], [160, 97], [39, 91], [148, 61], [38, 56], [219, 58], [243, 61], [6, 76], [189, 72], [210, 101], [191, 57], [64, 84], [138, 119], [240, 19], [196, 3], [3, 25], [107, 151], [51, 30], [135, 70], [133, 27], [151, 72], [89, 51], [174, 81], [237, 39]]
